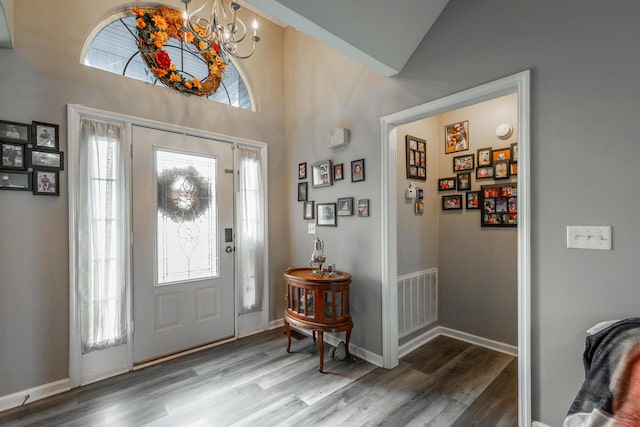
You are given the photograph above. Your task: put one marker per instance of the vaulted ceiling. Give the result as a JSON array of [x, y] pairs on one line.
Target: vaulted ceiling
[[381, 34]]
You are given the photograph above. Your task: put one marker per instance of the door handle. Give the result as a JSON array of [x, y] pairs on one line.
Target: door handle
[[228, 249]]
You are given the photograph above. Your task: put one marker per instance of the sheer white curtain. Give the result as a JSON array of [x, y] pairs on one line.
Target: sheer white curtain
[[251, 230], [102, 242]]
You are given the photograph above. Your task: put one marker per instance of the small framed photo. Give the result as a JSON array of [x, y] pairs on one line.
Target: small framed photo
[[416, 150], [308, 210], [513, 169], [46, 159], [302, 170], [499, 205], [45, 136], [15, 131], [419, 207], [473, 200], [501, 169], [13, 156], [456, 137], [326, 215], [14, 180], [46, 182], [363, 207], [419, 193], [447, 184], [463, 181], [485, 156], [502, 154], [302, 191], [357, 170], [514, 152], [463, 163], [452, 202], [345, 206], [484, 172], [322, 174], [338, 172]]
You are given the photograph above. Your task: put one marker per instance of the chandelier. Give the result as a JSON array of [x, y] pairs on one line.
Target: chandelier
[[223, 28]]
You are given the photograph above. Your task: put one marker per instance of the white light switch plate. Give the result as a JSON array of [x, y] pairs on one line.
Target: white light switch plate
[[589, 237], [311, 228]]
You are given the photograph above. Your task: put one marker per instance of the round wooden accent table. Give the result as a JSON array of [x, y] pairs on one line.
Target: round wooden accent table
[[318, 303]]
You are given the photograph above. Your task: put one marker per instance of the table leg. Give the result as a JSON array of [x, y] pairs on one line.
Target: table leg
[[348, 338], [287, 329], [321, 350], [314, 336]]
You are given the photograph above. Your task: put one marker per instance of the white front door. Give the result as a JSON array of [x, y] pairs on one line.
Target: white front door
[[183, 260]]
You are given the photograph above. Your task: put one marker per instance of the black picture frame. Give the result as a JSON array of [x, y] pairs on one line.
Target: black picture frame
[[363, 208], [514, 153], [463, 181], [484, 172], [14, 131], [416, 157], [357, 170], [46, 182], [418, 207], [308, 210], [13, 155], [41, 159], [472, 200], [501, 169], [452, 202], [513, 169], [326, 215], [464, 163], [501, 154], [456, 137], [16, 180], [303, 191], [321, 174], [447, 184], [499, 204], [485, 156], [45, 136], [302, 170], [338, 172], [345, 206]]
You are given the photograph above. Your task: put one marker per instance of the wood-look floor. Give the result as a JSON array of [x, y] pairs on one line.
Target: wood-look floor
[[255, 382]]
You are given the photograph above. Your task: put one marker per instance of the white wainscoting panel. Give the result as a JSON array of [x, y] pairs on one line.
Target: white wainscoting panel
[[417, 301]]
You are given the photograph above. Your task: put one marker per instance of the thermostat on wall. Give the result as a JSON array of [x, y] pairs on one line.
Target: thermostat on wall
[[338, 137]]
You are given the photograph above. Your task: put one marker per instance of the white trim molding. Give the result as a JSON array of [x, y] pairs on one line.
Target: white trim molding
[[519, 84], [29, 395]]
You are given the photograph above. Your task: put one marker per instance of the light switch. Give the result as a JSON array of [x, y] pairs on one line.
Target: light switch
[[311, 228], [589, 237]]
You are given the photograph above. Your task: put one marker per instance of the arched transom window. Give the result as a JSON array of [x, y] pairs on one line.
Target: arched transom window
[[114, 49]]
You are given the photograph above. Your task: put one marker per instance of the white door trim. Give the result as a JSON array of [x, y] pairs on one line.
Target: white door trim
[[519, 84], [74, 113]]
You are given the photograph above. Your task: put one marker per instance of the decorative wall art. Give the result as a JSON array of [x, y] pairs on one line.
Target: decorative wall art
[[302, 170], [338, 172], [46, 159], [514, 152], [308, 210], [15, 131], [13, 155], [484, 172], [416, 149], [501, 169], [452, 202], [45, 136], [485, 156], [326, 214], [302, 191], [513, 169], [499, 205], [473, 200], [14, 180], [447, 184], [456, 137], [46, 182], [501, 154], [463, 181], [463, 163], [363, 207], [419, 208], [321, 174], [345, 206], [357, 170]]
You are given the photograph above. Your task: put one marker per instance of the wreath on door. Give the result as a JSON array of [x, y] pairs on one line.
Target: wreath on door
[[183, 194]]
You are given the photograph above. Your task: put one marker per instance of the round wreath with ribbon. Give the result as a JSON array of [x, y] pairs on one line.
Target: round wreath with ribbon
[[183, 194], [155, 28]]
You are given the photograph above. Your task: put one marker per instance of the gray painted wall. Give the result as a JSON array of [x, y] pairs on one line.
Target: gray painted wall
[[40, 76]]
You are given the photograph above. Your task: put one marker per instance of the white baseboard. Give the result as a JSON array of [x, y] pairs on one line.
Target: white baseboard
[[539, 424], [32, 394], [334, 340], [276, 323], [459, 335]]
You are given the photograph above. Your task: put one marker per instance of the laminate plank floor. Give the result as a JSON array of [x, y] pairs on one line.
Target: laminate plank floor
[[255, 382]]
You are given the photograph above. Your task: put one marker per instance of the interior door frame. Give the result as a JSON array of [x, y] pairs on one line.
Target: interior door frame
[[74, 113], [518, 83]]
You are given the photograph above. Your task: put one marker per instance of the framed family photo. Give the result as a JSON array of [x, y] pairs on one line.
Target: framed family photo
[[357, 170], [14, 180], [363, 207], [473, 200], [47, 159], [484, 172], [416, 158], [485, 156], [302, 191], [345, 206], [45, 136], [308, 210], [46, 182], [446, 184], [501, 169], [326, 215], [463, 181], [338, 172], [13, 155], [452, 202], [499, 204], [501, 154], [322, 174], [302, 170], [463, 163], [456, 137], [15, 131]]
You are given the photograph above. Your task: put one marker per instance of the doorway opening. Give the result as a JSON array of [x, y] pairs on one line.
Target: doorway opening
[[516, 84]]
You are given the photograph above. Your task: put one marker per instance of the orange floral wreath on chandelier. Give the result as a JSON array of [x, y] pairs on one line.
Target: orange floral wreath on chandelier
[[155, 28]]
